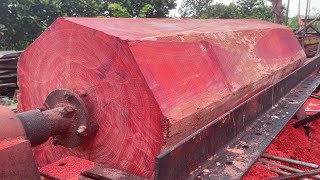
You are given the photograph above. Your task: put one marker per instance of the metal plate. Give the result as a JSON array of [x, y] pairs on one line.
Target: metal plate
[[63, 97], [249, 129]]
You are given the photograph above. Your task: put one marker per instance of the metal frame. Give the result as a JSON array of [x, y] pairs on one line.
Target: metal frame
[[228, 146]]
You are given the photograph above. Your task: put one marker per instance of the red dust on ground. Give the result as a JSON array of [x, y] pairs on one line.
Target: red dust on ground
[[67, 168], [293, 143]]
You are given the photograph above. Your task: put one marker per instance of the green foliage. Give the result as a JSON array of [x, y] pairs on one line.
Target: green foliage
[[255, 9], [220, 10], [117, 10], [5, 101], [147, 9], [22, 21], [293, 22]]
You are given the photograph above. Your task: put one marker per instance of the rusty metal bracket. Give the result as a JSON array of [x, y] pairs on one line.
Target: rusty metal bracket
[[63, 116], [74, 135], [228, 146]]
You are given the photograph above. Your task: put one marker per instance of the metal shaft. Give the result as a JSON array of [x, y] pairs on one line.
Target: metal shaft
[[59, 118], [278, 171], [312, 110], [298, 175], [40, 125], [275, 170], [292, 161], [315, 96], [291, 169], [306, 120]]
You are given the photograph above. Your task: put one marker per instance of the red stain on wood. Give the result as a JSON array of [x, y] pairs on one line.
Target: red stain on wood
[[151, 82], [67, 168]]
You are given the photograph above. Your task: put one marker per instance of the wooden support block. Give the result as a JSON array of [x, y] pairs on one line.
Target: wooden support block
[[17, 160], [67, 168], [152, 82]]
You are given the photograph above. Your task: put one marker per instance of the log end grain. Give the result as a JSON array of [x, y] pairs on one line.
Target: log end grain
[[77, 58]]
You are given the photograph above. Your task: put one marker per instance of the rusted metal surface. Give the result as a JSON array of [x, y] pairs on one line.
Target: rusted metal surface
[[80, 128], [10, 126], [291, 161], [100, 173], [60, 118], [41, 125], [229, 145], [17, 161], [311, 50], [298, 175], [63, 116], [307, 120], [305, 28], [36, 127], [308, 40], [310, 43]]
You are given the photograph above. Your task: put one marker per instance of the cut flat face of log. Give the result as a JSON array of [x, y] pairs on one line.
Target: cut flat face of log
[[152, 82], [78, 58]]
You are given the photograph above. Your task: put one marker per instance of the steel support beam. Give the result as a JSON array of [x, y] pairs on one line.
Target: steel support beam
[[228, 146]]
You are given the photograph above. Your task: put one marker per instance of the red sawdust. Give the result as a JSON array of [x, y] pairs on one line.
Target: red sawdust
[[293, 143], [67, 168]]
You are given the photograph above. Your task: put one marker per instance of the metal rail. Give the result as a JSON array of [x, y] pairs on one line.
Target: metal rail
[[228, 146]]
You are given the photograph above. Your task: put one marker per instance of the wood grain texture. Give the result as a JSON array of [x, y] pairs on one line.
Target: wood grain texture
[[79, 58], [152, 82]]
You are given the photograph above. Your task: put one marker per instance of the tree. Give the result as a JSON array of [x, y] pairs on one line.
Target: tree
[[221, 11], [194, 8], [146, 8], [293, 22], [256, 9], [22, 21], [240, 9]]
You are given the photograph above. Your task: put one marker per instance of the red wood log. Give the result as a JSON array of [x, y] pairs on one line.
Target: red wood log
[[151, 82]]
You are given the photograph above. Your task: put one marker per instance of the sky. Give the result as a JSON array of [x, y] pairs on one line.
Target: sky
[[293, 9]]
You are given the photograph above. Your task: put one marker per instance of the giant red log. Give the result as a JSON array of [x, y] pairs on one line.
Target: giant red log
[[151, 82]]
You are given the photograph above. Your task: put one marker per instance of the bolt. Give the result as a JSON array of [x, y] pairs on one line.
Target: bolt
[[89, 132], [94, 127], [82, 129], [56, 141]]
